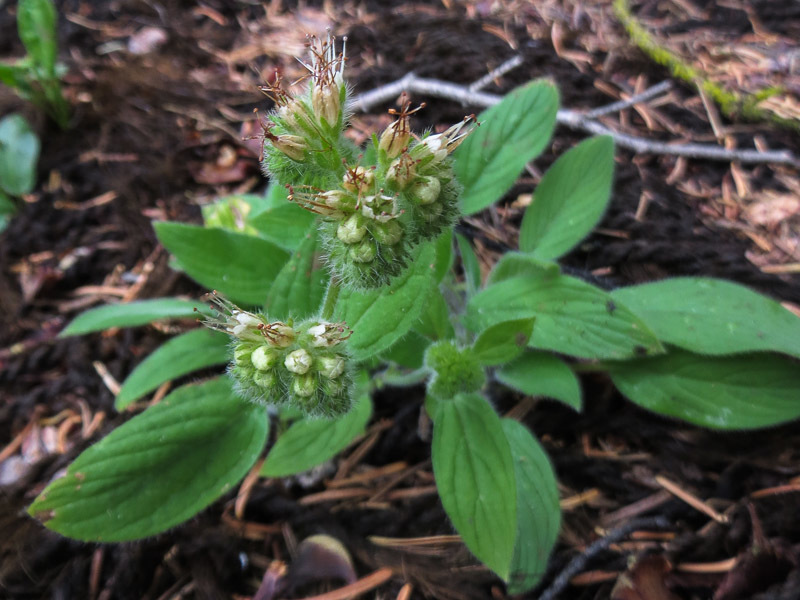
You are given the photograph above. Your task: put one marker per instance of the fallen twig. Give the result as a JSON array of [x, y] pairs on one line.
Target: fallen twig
[[572, 119], [578, 564]]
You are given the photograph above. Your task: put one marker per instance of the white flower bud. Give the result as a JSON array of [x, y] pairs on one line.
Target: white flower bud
[[298, 361], [363, 252], [351, 231], [241, 355], [388, 233], [358, 180], [304, 386], [264, 379], [325, 102], [402, 171], [331, 366], [292, 146], [263, 358], [426, 190]]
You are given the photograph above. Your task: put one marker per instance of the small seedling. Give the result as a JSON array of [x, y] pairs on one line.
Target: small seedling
[[349, 263], [36, 77]]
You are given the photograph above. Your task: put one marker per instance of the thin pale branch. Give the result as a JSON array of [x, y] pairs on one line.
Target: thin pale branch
[[572, 119]]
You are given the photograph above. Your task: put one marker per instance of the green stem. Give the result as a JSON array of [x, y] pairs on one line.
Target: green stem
[[331, 296]]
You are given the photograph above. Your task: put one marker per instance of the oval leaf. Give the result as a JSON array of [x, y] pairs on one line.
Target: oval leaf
[[19, 153], [300, 286], [538, 510], [517, 264], [572, 316], [131, 314], [185, 353], [542, 374], [380, 317], [158, 469], [711, 316], [284, 225], [503, 342], [308, 443], [475, 477], [569, 200], [36, 22], [239, 266], [470, 264], [511, 133], [730, 392]]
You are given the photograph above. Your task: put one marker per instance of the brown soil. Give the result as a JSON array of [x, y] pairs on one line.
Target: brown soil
[[147, 136]]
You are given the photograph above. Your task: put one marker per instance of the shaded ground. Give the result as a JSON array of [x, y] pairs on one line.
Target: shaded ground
[[158, 134]]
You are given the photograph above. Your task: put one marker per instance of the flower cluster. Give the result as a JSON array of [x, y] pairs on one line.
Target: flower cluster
[[303, 365], [373, 215]]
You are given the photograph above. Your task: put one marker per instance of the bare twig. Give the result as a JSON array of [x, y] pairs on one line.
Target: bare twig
[[646, 95], [572, 119], [509, 65], [579, 563]]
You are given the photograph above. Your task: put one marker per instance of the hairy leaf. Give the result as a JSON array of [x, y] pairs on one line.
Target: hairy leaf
[[569, 200], [572, 316], [469, 261], [538, 510], [158, 469], [502, 343], [380, 317], [542, 374], [131, 314], [239, 266], [475, 477], [724, 392], [310, 442], [512, 133], [300, 286], [711, 316], [19, 153], [185, 353]]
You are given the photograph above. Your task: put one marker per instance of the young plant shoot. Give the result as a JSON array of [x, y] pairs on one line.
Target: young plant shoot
[[341, 279]]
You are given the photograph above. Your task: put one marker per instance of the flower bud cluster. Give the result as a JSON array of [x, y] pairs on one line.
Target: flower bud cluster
[[303, 134], [373, 216], [303, 365]]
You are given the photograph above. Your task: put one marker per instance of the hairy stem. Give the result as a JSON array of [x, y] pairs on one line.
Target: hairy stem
[[330, 298]]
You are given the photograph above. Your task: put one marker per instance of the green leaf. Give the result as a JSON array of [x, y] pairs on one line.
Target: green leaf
[[542, 374], [36, 23], [516, 264], [511, 134], [444, 255], [711, 316], [572, 317], [190, 351], [299, 288], [131, 314], [434, 322], [502, 343], [469, 261], [380, 317], [234, 212], [19, 153], [408, 351], [310, 442], [282, 222], [570, 199], [474, 474], [538, 510], [725, 392], [7, 210], [158, 469], [239, 266]]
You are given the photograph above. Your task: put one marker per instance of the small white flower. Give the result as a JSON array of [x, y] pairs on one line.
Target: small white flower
[[331, 366], [298, 361]]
